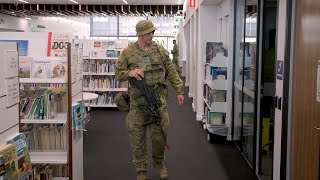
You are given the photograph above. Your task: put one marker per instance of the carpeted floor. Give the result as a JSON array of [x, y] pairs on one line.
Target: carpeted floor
[[107, 153]]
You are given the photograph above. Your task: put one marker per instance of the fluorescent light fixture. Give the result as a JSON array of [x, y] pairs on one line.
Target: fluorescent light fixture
[[23, 1], [60, 14], [27, 18], [74, 1], [125, 1]]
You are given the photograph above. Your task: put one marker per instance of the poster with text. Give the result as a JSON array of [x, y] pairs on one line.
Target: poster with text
[[58, 44], [12, 91], [11, 61]]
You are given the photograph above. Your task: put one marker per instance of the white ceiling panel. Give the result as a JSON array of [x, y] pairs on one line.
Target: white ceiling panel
[[98, 2], [211, 2]]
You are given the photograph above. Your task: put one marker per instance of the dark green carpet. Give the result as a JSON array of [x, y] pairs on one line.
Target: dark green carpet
[[107, 154]]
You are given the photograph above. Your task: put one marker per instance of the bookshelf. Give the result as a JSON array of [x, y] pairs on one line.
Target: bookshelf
[[99, 71]]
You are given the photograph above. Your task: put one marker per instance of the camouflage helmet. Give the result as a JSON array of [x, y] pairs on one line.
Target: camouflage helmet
[[122, 101], [144, 27]]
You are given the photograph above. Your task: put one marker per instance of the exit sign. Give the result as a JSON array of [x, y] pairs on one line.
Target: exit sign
[[193, 4]]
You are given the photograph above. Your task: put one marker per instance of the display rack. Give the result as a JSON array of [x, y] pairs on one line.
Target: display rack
[[99, 71], [72, 156], [215, 96]]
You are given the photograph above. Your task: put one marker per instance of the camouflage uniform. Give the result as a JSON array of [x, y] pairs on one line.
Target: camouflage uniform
[[175, 54], [157, 67]]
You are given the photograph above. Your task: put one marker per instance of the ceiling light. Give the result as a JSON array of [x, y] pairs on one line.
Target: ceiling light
[[23, 1], [27, 18], [74, 1], [12, 12], [125, 1]]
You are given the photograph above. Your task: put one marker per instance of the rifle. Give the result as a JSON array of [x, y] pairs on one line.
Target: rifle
[[154, 102]]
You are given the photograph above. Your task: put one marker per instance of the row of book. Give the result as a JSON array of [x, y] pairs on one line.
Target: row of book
[[42, 67], [47, 137], [104, 53], [103, 66], [101, 44], [103, 83], [48, 171], [15, 161], [104, 98], [43, 106]]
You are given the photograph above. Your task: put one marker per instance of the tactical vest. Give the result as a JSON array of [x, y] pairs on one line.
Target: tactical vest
[[152, 64]]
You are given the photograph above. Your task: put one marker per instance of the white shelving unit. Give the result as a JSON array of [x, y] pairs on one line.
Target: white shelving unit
[[49, 157], [218, 62], [43, 80], [101, 48], [61, 119], [106, 90]]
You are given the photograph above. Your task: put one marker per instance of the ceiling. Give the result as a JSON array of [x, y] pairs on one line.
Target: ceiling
[[101, 2], [87, 8], [81, 10]]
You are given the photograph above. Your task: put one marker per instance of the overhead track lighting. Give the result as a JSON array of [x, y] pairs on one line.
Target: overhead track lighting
[[74, 1], [24, 1]]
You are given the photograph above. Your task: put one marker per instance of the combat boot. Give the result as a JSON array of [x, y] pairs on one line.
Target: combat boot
[[142, 176], [162, 171]]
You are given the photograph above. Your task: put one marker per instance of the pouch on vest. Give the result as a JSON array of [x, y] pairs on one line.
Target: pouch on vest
[[122, 101]]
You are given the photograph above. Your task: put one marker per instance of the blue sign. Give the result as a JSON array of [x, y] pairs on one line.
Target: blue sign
[[22, 46], [279, 69]]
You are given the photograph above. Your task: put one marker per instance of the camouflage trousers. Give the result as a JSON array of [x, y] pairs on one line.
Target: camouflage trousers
[[176, 62], [137, 134]]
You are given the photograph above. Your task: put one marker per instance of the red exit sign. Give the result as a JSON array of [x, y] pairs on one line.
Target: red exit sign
[[193, 4]]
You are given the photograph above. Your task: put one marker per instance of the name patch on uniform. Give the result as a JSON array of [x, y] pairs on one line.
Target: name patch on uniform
[[146, 59]]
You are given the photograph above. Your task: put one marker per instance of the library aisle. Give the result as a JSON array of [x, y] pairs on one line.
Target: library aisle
[[107, 153]]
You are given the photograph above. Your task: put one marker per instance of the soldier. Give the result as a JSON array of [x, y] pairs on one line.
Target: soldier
[[175, 53], [147, 59]]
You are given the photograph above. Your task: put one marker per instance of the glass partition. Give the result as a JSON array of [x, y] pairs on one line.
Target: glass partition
[[244, 79]]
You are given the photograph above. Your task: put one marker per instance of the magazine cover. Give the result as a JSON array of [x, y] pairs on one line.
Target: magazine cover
[[25, 66], [77, 116], [215, 118], [40, 68], [211, 50], [58, 43], [111, 45], [96, 44], [59, 68], [104, 45]]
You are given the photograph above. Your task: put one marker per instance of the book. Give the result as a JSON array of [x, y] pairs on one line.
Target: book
[[9, 154], [40, 68], [97, 44], [2, 167], [211, 50], [77, 115], [215, 118], [220, 74], [58, 68], [25, 66]]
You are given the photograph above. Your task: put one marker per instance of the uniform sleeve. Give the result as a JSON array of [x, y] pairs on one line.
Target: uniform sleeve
[[172, 74], [122, 67]]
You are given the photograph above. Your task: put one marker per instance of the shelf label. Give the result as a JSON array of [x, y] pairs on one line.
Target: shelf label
[[12, 91], [11, 64]]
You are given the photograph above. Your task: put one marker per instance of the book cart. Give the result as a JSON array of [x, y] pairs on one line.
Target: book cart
[[56, 135], [215, 93], [99, 71]]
